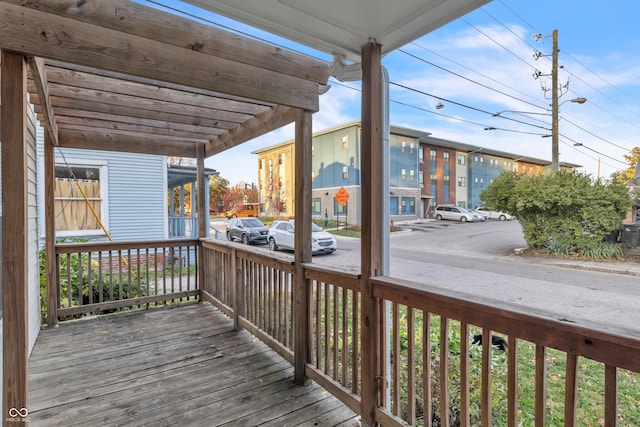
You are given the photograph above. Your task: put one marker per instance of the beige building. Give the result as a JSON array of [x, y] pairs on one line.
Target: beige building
[[275, 171]]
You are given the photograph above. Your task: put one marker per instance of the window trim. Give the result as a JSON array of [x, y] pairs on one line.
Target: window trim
[[102, 166]]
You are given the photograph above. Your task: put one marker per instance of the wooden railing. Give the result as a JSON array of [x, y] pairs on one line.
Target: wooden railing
[[104, 277], [432, 373]]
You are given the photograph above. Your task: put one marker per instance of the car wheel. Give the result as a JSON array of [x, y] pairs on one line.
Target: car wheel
[[245, 239], [503, 218], [438, 217], [272, 244], [228, 236], [463, 219]]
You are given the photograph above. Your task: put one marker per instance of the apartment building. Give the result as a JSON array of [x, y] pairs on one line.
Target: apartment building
[[423, 171]]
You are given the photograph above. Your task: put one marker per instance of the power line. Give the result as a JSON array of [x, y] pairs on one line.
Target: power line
[[466, 78]]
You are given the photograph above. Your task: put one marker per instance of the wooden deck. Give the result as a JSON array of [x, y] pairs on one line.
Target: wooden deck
[[182, 365]]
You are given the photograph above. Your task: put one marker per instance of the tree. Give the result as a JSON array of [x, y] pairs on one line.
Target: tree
[[564, 211], [626, 176], [217, 190]]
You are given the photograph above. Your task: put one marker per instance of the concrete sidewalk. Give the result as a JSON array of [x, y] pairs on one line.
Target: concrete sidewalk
[[630, 267]]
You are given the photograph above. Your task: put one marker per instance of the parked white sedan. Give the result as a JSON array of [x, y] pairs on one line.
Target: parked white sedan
[[491, 214], [281, 237]]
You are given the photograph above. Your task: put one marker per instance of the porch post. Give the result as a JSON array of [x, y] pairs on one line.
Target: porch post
[[302, 242], [13, 132], [371, 237], [202, 214], [50, 230]]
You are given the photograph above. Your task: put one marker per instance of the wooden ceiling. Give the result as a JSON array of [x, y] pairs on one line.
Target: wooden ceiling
[[119, 76]]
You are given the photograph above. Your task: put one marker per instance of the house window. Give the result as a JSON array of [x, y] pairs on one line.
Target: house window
[[461, 159], [421, 154], [421, 178], [462, 204], [316, 208], [434, 179], [281, 159], [261, 163], [411, 148], [446, 156], [481, 161], [402, 146], [475, 182], [345, 142], [481, 182], [433, 155], [73, 216], [446, 179], [403, 174], [345, 172], [412, 175], [462, 181]]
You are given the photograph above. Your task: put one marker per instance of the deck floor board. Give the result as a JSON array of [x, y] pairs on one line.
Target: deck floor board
[[179, 365]]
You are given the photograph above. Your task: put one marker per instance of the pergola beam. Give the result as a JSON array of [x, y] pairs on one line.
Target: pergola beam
[[62, 37], [39, 76], [90, 139]]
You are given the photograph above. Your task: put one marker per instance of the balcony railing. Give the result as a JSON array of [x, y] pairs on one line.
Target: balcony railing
[[428, 370], [431, 373], [104, 277]]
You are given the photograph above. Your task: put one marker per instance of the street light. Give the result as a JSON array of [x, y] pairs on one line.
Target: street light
[[555, 133]]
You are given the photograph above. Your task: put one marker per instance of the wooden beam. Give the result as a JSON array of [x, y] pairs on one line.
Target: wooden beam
[[50, 231], [302, 243], [101, 96], [63, 37], [137, 127], [371, 262], [89, 139], [65, 105], [252, 128], [174, 30], [39, 76], [15, 271], [70, 75], [115, 119]]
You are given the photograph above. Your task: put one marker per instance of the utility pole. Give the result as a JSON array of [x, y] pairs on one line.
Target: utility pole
[[555, 164]]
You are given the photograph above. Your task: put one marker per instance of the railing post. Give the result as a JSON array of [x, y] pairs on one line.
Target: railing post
[[372, 223], [50, 232], [302, 244], [237, 287]]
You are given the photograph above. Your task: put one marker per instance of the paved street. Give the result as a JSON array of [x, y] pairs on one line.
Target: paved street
[[479, 259]]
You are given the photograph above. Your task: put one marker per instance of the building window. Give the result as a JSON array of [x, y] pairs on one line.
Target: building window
[[411, 148], [421, 154], [446, 179], [403, 174], [313, 150], [421, 178], [412, 175], [408, 206], [402, 146], [73, 216], [261, 163], [446, 156], [481, 161], [475, 160], [461, 160], [462, 204], [433, 178], [462, 181], [345, 172], [281, 158], [316, 208], [345, 142], [338, 209], [313, 175], [481, 182], [475, 182], [433, 155]]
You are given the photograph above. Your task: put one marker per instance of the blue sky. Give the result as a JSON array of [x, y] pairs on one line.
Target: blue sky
[[483, 63]]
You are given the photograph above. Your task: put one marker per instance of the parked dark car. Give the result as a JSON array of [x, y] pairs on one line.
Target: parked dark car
[[247, 230]]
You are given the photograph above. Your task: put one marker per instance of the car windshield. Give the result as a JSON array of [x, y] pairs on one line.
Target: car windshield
[[315, 228], [252, 222]]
